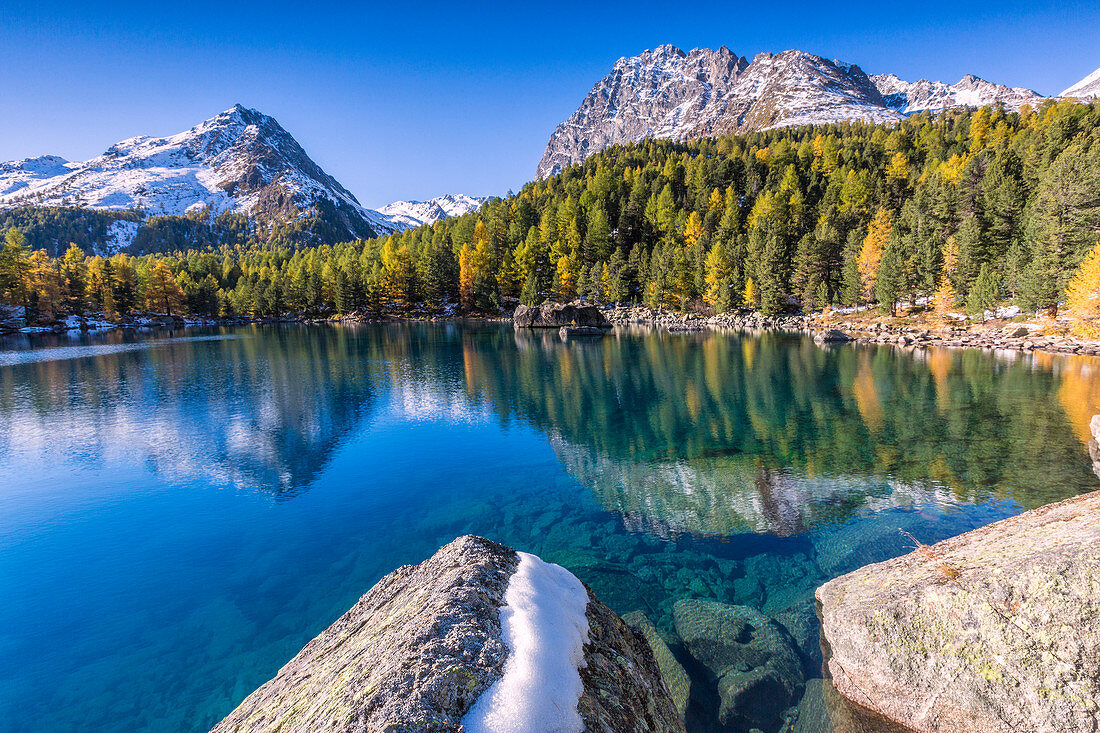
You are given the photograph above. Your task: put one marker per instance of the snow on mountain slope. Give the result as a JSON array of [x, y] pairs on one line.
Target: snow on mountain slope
[[1087, 88], [970, 91], [668, 93], [415, 213], [240, 161]]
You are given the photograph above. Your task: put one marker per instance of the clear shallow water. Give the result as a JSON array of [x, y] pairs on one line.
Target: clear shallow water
[[179, 515]]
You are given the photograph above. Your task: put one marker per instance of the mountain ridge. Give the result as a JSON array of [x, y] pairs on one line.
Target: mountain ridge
[[669, 93], [239, 161]]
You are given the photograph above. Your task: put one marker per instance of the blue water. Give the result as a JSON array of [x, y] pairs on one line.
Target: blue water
[[180, 513]]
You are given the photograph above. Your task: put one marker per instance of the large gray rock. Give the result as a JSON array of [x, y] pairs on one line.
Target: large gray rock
[[556, 315], [994, 630], [831, 336], [757, 670], [418, 650]]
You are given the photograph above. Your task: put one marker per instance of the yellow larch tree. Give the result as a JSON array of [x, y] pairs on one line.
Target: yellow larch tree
[[1083, 294], [870, 254], [945, 298]]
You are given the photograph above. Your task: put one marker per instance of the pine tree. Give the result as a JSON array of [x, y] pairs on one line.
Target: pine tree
[[983, 292]]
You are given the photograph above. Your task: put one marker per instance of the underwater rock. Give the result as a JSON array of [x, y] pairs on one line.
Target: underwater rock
[[753, 659], [995, 630], [556, 315], [421, 647], [675, 677]]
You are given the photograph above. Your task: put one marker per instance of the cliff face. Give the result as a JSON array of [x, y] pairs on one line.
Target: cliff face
[[420, 649], [994, 630]]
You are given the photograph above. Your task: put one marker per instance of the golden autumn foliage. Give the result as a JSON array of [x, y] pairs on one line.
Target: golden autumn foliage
[[1083, 295], [749, 296], [870, 254], [945, 298]]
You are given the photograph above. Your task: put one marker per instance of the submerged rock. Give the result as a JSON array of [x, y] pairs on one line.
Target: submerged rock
[[425, 643], [675, 676], [556, 315], [756, 668], [994, 630]]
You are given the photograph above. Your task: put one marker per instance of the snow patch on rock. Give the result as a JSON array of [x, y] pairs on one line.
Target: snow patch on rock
[[544, 625]]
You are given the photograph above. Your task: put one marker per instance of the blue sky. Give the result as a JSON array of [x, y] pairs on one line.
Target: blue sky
[[412, 100]]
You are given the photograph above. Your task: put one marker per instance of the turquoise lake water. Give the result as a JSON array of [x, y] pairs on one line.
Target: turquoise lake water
[[181, 513]]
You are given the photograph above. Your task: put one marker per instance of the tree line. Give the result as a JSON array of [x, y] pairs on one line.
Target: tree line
[[958, 210]]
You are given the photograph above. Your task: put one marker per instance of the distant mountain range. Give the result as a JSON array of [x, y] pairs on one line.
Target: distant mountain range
[[415, 213], [239, 161], [668, 93]]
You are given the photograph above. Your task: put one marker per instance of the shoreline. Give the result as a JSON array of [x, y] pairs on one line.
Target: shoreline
[[993, 335]]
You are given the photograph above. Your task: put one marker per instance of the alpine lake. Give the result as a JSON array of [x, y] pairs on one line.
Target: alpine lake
[[181, 512]]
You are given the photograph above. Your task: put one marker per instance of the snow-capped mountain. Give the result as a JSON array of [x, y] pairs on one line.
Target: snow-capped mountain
[[970, 91], [1087, 88], [671, 94], [238, 161], [415, 213]]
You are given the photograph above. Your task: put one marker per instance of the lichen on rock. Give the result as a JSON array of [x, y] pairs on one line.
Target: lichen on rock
[[995, 630]]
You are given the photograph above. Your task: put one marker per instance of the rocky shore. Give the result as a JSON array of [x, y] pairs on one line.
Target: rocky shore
[[994, 335], [996, 630]]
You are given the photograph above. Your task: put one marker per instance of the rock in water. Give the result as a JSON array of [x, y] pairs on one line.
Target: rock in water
[[568, 332], [994, 630], [425, 643], [556, 315], [758, 671], [675, 677]]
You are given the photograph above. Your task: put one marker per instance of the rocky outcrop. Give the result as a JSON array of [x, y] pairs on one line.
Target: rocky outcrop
[[426, 642], [994, 630], [556, 315]]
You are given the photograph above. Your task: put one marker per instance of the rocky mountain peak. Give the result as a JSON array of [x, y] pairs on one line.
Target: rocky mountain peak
[[668, 93]]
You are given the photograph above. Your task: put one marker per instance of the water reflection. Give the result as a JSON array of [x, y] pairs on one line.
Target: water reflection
[[262, 410], [714, 434]]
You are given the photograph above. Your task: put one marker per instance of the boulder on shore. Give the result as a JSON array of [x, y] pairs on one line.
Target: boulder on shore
[[831, 336], [426, 642], [556, 315], [994, 630]]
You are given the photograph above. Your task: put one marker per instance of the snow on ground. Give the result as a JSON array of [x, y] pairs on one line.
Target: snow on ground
[[1087, 87], [120, 235], [543, 622]]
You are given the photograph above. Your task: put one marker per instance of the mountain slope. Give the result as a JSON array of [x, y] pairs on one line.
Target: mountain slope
[[1087, 88], [668, 93], [239, 161]]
